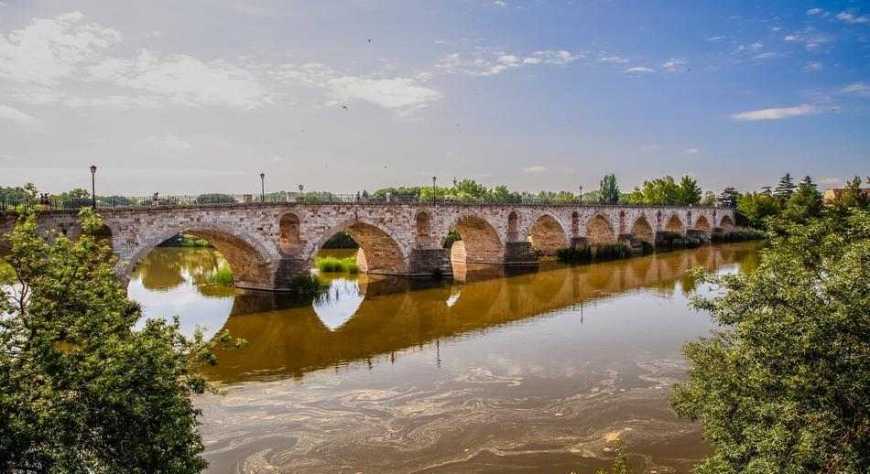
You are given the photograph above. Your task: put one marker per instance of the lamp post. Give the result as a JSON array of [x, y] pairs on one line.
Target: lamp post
[[580, 193], [93, 187], [262, 187], [434, 190]]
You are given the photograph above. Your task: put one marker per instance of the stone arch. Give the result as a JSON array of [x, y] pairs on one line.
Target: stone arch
[[702, 224], [599, 231], [674, 224], [248, 258], [423, 229], [726, 223], [547, 235], [642, 230], [290, 240], [480, 241], [379, 252], [575, 224], [513, 231]]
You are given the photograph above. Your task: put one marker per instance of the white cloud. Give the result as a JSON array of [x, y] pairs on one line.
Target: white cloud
[[535, 169], [675, 65], [48, 50], [858, 88], [401, 94], [500, 3], [716, 38], [691, 151], [766, 55], [816, 12], [813, 67], [492, 64], [14, 115], [639, 70], [853, 19], [183, 80], [777, 113], [612, 59], [811, 39]]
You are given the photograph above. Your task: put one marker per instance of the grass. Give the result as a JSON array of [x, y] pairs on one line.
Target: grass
[[223, 276], [337, 265]]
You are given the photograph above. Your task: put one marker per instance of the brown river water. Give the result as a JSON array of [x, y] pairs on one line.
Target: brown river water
[[538, 372]]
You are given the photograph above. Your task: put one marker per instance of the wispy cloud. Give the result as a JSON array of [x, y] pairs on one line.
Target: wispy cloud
[[612, 59], [813, 67], [811, 39], [495, 63], [777, 113], [675, 65], [817, 12], [691, 151], [857, 88], [639, 70], [535, 169], [853, 19]]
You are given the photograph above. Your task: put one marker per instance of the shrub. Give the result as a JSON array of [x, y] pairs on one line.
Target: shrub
[[337, 265], [222, 276], [740, 234]]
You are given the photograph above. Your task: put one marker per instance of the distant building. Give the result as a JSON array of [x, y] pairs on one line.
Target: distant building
[[832, 195]]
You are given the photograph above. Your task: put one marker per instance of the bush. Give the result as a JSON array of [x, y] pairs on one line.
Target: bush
[[574, 255], [595, 253], [223, 276], [740, 234], [610, 252], [337, 265]]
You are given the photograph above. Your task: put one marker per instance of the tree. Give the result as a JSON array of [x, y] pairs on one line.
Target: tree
[[784, 385], [785, 188], [688, 191], [709, 199], [757, 207], [804, 203], [852, 195], [609, 189], [728, 197], [215, 198], [81, 390]]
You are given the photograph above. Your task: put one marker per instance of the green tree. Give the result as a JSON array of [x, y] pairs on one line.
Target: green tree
[[757, 207], [215, 198], [688, 192], [784, 384], [728, 197], [709, 199], [784, 188], [804, 203], [852, 195], [609, 189], [81, 390]]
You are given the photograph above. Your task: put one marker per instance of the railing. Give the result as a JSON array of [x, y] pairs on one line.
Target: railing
[[158, 200]]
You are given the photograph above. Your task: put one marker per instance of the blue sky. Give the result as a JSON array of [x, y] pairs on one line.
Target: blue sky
[[196, 96]]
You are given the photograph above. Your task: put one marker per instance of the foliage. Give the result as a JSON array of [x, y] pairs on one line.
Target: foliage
[[620, 463], [337, 265], [18, 194], [737, 235], [784, 188], [215, 198], [784, 385], [804, 203], [222, 276], [852, 195], [709, 199], [594, 253], [667, 192], [609, 190], [757, 207], [75, 198], [728, 197], [7, 273], [80, 389]]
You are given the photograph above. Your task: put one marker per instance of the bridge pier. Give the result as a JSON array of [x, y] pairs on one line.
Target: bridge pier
[[429, 262], [520, 254]]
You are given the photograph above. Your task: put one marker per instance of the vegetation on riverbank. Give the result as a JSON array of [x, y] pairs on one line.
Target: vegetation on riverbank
[[784, 384], [337, 265], [84, 389], [222, 276]]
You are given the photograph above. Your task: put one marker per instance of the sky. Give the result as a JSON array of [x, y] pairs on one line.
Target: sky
[[203, 95]]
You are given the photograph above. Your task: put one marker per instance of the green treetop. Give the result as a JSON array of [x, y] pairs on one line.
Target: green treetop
[[81, 390], [783, 386], [609, 189], [784, 188]]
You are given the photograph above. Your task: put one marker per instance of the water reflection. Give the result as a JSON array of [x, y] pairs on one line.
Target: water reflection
[[536, 372]]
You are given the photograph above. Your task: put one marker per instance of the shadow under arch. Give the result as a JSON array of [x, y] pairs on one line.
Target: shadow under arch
[[547, 235], [247, 258], [380, 252], [599, 231], [480, 242], [642, 230]]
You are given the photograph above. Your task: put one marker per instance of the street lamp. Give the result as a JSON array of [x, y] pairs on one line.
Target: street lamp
[[580, 193], [434, 190], [93, 187], [262, 187]]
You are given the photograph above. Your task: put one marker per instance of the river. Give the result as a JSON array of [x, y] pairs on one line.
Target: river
[[538, 372]]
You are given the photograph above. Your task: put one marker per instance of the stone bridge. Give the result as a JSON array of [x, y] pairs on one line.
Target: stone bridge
[[267, 245]]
